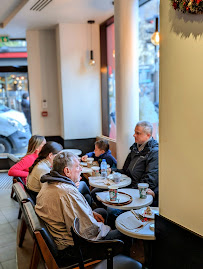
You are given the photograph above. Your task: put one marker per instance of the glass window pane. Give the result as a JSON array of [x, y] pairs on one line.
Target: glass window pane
[[111, 80], [148, 65], [15, 116]]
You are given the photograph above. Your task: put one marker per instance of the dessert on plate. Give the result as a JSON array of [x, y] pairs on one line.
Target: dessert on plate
[[148, 211]]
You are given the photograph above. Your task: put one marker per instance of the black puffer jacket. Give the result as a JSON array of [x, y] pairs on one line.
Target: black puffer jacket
[[142, 166]]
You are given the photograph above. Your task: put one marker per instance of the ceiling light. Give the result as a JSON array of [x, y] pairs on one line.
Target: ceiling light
[[91, 61], [155, 39]]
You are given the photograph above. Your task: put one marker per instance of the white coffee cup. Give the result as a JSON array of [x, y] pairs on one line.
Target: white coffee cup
[[95, 170], [89, 162], [143, 190], [117, 177]]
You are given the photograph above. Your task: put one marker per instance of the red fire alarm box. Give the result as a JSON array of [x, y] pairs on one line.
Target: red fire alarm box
[[44, 113]]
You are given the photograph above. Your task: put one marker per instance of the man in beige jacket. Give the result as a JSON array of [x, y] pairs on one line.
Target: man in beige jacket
[[59, 202]]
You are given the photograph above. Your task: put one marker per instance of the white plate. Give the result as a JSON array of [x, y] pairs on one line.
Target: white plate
[[86, 170], [122, 198], [142, 213], [83, 163]]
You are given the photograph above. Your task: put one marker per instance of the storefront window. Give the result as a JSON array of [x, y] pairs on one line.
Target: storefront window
[[15, 116]]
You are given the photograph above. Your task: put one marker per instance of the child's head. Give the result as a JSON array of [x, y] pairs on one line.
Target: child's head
[[36, 142], [101, 146]]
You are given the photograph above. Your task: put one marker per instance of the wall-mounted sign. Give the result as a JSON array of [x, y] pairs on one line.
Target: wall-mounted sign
[[4, 39]]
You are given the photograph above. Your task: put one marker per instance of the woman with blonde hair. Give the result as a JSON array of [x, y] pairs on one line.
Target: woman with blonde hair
[[21, 169]]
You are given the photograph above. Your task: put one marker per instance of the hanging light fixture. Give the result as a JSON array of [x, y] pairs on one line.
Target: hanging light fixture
[[156, 37], [91, 61]]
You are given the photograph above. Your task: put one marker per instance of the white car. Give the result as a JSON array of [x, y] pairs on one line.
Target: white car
[[14, 130]]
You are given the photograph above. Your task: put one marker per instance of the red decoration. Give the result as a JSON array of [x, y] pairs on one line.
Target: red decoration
[[188, 6]]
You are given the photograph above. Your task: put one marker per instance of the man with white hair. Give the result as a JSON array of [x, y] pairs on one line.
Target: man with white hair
[[59, 202]]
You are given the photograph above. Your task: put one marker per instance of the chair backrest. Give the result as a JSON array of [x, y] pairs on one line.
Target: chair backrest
[[34, 224], [44, 239], [99, 249], [28, 192], [20, 192]]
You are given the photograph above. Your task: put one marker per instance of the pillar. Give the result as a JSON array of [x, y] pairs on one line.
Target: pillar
[[127, 74]]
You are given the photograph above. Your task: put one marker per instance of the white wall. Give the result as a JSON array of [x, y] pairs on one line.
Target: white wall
[[181, 118], [79, 83], [43, 84]]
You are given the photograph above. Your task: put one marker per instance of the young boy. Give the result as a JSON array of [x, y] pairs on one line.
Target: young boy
[[100, 152]]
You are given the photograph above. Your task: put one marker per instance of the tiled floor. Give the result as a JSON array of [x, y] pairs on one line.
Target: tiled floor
[[8, 224]]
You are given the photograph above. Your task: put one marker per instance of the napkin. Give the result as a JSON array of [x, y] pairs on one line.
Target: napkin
[[109, 182], [131, 222]]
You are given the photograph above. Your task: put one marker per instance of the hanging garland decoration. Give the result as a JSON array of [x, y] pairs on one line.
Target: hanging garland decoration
[[188, 6]]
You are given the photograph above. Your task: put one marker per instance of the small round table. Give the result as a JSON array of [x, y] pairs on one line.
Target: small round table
[[99, 182], [135, 204], [74, 151], [144, 233]]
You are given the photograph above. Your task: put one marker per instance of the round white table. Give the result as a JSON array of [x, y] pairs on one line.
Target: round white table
[[74, 151], [99, 182], [135, 204], [141, 233]]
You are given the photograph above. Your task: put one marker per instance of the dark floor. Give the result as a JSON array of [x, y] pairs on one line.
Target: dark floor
[[12, 257]]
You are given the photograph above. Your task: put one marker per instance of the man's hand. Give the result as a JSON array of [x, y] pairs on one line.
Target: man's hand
[[149, 191], [98, 217], [84, 158]]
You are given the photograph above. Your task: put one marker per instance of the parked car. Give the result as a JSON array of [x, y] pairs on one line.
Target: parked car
[[14, 130]]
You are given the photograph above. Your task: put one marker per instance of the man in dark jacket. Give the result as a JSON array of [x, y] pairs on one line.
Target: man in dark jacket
[[141, 164]]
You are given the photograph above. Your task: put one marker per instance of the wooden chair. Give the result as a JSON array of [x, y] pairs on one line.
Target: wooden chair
[[43, 242], [99, 248], [21, 194], [22, 197]]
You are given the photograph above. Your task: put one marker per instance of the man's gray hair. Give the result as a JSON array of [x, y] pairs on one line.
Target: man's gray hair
[[62, 160], [147, 126]]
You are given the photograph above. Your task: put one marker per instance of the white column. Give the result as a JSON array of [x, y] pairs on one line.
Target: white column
[[127, 80]]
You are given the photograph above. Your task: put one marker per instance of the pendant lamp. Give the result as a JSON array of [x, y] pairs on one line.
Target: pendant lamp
[[156, 37], [91, 61]]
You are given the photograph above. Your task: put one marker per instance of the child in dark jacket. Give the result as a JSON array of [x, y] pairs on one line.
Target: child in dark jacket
[[100, 152]]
